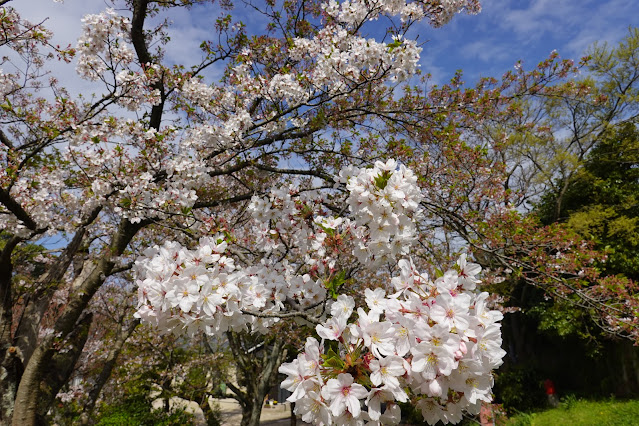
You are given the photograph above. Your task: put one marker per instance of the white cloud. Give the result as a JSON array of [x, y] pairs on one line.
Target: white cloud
[[486, 50], [188, 29], [487, 44], [572, 25]]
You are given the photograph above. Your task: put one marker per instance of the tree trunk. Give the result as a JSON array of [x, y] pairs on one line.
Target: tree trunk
[[257, 373], [62, 365], [29, 393], [251, 413], [25, 409], [26, 334], [10, 374], [107, 368], [11, 356]]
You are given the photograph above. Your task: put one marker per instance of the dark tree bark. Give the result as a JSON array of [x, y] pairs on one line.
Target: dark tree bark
[[256, 372], [12, 366], [62, 365], [36, 304]]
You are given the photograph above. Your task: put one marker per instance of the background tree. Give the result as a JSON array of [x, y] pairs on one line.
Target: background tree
[[156, 368], [601, 202], [586, 187]]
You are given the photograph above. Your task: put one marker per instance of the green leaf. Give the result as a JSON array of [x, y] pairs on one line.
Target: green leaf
[[335, 282], [381, 180], [333, 360], [330, 232], [394, 45]]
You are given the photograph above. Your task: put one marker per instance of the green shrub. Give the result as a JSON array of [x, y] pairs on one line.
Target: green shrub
[[568, 402], [519, 389], [136, 410]]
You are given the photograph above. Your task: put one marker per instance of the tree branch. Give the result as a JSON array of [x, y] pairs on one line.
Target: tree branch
[[14, 207]]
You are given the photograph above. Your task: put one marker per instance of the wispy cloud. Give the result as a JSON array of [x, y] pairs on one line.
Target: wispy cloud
[[487, 50], [569, 26], [510, 30], [483, 45]]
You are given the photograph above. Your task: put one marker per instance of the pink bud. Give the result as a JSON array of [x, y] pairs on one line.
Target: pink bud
[[434, 388]]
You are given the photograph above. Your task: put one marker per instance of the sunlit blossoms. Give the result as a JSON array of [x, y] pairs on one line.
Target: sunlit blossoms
[[439, 11], [208, 177], [186, 291], [158, 153], [384, 201], [402, 349], [129, 167], [433, 343], [202, 288]]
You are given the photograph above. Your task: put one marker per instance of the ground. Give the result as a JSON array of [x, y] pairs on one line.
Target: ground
[[278, 415]]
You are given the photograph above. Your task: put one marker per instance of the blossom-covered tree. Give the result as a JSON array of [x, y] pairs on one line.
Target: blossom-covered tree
[[269, 195], [434, 342], [85, 170]]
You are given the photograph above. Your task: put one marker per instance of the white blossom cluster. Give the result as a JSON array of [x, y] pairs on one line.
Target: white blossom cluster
[[22, 35], [332, 62], [8, 84], [199, 93], [341, 59], [43, 199], [448, 8], [384, 201], [186, 291], [287, 88], [291, 220], [352, 12], [116, 156], [433, 343], [174, 293], [134, 88], [103, 44], [383, 205], [176, 284]]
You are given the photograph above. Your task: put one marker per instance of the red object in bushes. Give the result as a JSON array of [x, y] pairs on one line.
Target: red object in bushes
[[550, 387]]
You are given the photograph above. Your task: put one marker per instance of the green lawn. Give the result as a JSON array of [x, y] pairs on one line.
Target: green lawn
[[578, 412]]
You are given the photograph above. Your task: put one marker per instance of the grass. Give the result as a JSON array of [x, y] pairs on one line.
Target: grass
[[572, 411]]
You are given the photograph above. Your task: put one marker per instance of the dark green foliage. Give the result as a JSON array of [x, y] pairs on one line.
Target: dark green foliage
[[411, 415], [136, 409], [520, 389]]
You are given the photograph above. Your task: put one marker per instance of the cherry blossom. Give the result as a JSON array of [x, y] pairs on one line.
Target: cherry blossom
[[144, 176], [343, 395]]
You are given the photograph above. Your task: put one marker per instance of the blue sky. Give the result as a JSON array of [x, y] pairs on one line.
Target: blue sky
[[490, 43], [487, 44]]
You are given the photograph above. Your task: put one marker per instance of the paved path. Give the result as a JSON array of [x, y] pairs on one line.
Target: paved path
[[278, 415]]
